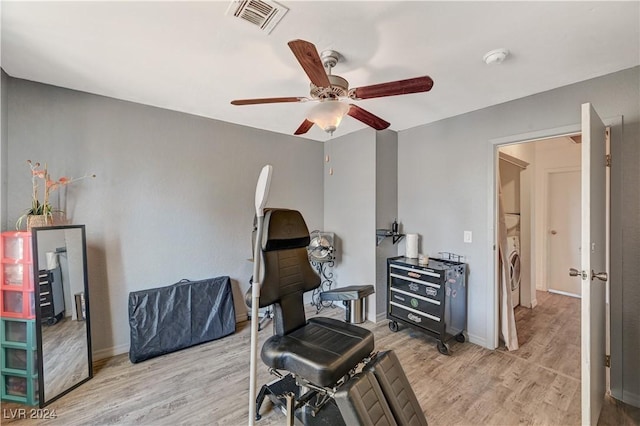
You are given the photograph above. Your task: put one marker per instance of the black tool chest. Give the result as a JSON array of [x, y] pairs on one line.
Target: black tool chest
[[431, 298], [51, 308]]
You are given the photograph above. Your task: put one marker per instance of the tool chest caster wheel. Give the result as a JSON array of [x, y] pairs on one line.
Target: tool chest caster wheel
[[443, 348], [460, 338], [393, 326]]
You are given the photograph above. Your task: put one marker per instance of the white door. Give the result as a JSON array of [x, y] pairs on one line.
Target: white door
[[563, 236], [593, 262]]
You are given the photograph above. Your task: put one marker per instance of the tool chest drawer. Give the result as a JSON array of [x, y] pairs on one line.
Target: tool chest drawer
[[414, 301], [418, 287], [413, 316], [429, 298]]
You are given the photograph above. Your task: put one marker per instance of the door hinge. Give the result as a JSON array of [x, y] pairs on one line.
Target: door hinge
[[607, 160], [607, 361]]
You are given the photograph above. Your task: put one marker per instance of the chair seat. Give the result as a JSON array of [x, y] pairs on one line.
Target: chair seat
[[322, 351]]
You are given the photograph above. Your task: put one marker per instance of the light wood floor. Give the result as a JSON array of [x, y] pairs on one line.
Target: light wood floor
[[208, 384], [64, 347]]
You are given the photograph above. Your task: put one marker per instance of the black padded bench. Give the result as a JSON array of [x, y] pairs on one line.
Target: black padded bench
[[353, 298]]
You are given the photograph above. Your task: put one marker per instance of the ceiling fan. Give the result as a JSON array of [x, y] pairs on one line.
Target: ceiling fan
[[332, 91]]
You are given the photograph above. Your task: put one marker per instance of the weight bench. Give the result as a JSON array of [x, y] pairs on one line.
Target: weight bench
[[334, 377], [353, 298]]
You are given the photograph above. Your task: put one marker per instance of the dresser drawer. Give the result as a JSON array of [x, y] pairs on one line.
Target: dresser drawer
[[46, 310], [417, 302]]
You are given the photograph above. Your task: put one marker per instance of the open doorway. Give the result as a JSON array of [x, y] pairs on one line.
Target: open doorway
[[540, 191], [594, 259]]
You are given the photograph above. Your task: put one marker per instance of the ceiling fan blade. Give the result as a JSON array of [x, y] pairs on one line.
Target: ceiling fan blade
[[367, 118], [266, 101], [392, 88], [307, 54], [304, 127]]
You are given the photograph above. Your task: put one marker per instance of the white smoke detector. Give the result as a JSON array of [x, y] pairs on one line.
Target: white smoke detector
[[495, 56]]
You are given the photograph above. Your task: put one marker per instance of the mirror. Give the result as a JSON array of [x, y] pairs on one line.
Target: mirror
[[62, 310]]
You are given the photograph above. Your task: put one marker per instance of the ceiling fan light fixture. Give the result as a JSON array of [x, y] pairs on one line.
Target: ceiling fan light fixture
[[328, 114]]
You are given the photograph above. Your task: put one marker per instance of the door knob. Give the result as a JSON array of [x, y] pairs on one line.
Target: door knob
[[575, 273], [602, 276], [554, 232]]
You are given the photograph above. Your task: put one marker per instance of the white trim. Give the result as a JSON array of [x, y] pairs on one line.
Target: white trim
[[631, 398], [513, 160], [110, 352], [493, 322], [477, 340], [124, 348], [607, 259], [565, 293], [492, 177], [553, 133], [616, 375]]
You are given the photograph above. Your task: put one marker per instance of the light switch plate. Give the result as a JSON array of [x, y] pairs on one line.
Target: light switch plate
[[468, 237]]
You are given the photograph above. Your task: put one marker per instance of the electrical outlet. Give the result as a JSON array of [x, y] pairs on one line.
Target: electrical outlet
[[468, 237]]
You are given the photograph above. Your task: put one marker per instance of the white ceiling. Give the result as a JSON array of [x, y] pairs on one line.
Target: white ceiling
[[192, 57]]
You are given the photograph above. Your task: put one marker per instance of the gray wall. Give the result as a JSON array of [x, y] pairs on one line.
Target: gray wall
[[350, 205], [360, 197], [4, 145], [386, 210], [174, 193], [450, 160], [173, 197]]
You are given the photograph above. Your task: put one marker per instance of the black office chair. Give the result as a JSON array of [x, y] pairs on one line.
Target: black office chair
[[321, 354]]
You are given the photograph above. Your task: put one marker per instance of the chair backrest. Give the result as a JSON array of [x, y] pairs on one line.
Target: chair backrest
[[286, 272]]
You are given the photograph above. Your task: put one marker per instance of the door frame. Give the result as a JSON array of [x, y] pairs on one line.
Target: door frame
[[492, 307]]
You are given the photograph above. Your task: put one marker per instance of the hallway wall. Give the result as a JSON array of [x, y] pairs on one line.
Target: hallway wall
[[457, 198]]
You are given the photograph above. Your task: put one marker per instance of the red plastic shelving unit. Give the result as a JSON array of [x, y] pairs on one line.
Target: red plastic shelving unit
[[17, 298], [18, 344]]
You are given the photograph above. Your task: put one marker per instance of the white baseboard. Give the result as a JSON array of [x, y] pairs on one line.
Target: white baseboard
[[534, 303], [631, 398], [123, 349], [481, 341], [110, 352], [477, 340], [564, 293]]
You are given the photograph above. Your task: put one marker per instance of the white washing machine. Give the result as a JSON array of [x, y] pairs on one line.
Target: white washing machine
[[513, 255]]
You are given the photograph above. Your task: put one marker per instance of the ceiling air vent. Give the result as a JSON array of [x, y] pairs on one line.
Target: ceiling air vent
[[263, 14]]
